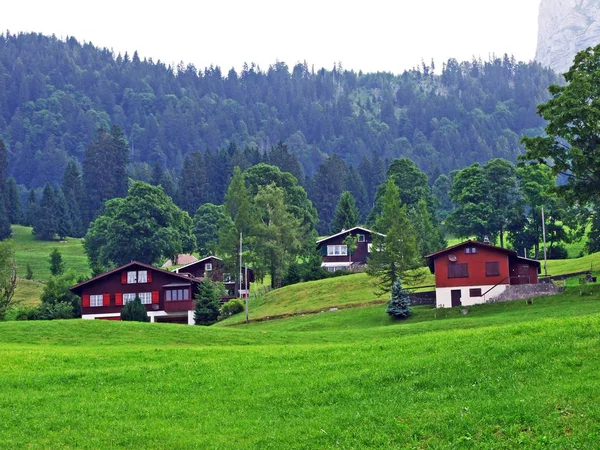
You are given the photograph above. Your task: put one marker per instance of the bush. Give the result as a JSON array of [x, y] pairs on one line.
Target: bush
[[558, 251], [134, 311], [59, 310], [232, 307], [399, 303], [27, 313], [29, 273], [207, 304], [56, 291]]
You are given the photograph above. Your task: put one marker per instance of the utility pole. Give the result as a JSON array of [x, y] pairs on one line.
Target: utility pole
[[544, 237], [242, 278]]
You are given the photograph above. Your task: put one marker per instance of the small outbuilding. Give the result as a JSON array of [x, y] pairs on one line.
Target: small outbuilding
[[336, 255], [473, 272]]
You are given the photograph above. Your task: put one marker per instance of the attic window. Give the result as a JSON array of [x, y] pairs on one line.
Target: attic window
[[131, 277], [208, 267], [361, 238], [471, 250], [142, 276]]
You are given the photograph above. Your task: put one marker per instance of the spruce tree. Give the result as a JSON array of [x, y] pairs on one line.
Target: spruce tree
[[45, 225], [206, 311], [399, 303], [74, 193], [134, 311], [13, 202], [64, 224], [5, 230], [28, 273], [396, 254], [57, 266], [32, 209], [346, 214]]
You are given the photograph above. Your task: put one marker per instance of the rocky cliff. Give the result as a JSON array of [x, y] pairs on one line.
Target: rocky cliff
[[565, 27]]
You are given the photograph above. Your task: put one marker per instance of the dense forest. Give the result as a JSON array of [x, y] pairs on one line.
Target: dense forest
[[55, 94]]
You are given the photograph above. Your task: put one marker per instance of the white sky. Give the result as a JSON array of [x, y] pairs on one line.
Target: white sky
[[373, 35]]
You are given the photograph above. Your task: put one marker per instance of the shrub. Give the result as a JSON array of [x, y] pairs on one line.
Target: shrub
[[27, 313], [56, 290], [29, 273], [134, 311], [558, 251], [59, 310], [232, 307], [207, 304], [399, 303]]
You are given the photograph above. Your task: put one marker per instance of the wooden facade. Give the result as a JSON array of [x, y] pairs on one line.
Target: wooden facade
[[336, 255], [212, 267], [167, 296], [473, 272]]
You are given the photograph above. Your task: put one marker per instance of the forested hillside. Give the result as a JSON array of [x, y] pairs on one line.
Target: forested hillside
[[54, 95]]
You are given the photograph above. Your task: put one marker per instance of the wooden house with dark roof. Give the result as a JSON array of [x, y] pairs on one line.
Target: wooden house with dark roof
[[336, 255], [167, 296], [212, 267]]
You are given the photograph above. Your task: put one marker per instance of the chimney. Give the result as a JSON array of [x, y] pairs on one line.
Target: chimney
[[486, 239]]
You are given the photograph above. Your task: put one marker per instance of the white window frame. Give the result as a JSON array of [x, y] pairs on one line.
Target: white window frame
[[145, 297], [128, 298], [361, 238], [142, 276], [208, 267], [96, 300], [132, 277], [337, 250]]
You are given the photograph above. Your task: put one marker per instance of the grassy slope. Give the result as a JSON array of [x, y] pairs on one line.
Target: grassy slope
[[314, 295], [36, 253], [475, 381], [29, 250]]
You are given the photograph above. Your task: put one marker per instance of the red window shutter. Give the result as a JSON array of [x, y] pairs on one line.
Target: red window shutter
[[106, 300], [119, 299], [123, 277], [149, 276], [154, 296], [86, 301]]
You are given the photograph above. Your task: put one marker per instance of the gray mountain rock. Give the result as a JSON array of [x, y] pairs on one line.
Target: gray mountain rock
[[566, 27]]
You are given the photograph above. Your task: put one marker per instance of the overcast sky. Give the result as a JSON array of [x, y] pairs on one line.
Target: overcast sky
[[373, 35]]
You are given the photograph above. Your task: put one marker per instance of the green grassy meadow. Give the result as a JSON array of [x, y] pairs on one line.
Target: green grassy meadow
[[29, 250], [503, 376]]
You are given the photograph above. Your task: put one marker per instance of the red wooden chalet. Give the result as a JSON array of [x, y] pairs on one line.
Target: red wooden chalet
[[335, 252], [472, 272], [168, 296], [212, 267]]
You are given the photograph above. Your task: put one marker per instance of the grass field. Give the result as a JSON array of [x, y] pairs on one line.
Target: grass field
[[36, 253], [503, 376], [314, 295]]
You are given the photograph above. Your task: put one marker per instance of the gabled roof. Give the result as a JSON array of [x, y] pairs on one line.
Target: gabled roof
[[198, 262], [475, 243], [348, 231], [184, 258], [132, 263], [511, 253]]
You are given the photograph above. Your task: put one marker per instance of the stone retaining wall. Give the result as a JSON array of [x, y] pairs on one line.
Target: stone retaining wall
[[518, 292]]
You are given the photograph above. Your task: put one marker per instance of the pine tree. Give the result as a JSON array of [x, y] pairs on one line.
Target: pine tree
[[192, 187], [399, 303], [45, 225], [104, 169], [57, 266], [206, 311], [5, 230], [32, 209], [396, 254], [134, 311], [13, 202], [64, 224], [74, 194], [29, 273], [346, 214]]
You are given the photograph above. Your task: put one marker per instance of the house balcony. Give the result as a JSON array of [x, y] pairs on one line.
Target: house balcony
[[175, 306]]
